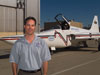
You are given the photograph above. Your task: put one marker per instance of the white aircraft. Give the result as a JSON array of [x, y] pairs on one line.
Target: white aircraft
[[64, 35]]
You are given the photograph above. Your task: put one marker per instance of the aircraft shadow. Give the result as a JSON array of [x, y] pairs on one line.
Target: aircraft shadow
[[4, 56], [76, 49]]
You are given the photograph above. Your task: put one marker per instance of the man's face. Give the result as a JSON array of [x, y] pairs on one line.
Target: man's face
[[30, 27]]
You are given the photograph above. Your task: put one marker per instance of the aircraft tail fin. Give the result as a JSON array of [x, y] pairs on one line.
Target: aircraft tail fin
[[95, 25]]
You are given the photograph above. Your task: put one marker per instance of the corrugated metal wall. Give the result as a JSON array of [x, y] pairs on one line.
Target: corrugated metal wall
[[33, 9], [20, 20], [12, 18], [8, 2], [7, 19]]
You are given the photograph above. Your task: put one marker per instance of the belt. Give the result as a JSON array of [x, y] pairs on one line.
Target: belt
[[30, 71]]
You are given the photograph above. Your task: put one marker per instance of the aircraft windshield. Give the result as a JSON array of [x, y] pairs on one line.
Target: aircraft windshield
[[56, 27], [62, 21]]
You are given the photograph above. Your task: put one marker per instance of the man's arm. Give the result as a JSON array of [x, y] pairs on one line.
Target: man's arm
[[45, 67], [14, 68]]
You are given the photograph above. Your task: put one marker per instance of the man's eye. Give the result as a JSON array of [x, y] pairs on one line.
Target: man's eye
[[33, 25], [28, 24]]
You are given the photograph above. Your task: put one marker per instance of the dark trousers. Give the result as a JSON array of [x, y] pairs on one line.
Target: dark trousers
[[29, 73]]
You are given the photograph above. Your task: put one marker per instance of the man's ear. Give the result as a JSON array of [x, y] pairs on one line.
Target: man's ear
[[24, 26]]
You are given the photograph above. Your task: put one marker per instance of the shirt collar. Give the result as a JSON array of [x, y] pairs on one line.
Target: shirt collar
[[35, 37]]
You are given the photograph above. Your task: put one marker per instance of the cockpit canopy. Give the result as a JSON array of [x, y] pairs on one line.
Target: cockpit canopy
[[63, 22]]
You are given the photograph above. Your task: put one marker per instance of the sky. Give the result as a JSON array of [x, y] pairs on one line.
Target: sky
[[80, 10]]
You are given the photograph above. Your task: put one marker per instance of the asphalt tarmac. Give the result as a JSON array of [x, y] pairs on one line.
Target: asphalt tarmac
[[66, 61]]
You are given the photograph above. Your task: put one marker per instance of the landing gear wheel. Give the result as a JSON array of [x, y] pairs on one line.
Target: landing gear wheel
[[85, 44], [51, 52]]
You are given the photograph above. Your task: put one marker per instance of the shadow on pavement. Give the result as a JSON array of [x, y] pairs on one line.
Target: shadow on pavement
[[75, 49], [4, 56]]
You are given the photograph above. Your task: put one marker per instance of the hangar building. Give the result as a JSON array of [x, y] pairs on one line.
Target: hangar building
[[13, 12]]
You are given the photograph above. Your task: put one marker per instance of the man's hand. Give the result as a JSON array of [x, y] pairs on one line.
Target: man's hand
[[45, 67], [14, 68]]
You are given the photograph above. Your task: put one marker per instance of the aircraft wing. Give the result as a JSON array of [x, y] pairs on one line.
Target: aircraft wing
[[81, 39]]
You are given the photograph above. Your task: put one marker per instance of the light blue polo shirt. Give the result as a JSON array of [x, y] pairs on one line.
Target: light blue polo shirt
[[30, 56]]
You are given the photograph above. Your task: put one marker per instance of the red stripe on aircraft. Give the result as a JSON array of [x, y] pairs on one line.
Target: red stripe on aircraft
[[43, 37], [65, 41], [10, 39]]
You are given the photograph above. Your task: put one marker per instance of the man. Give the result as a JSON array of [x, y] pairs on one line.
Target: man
[[30, 53]]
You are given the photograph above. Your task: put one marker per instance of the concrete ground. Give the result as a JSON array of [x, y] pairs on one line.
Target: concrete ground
[[83, 61], [66, 61], [5, 66]]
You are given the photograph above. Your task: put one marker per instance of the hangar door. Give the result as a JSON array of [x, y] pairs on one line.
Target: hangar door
[[12, 13], [11, 18]]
